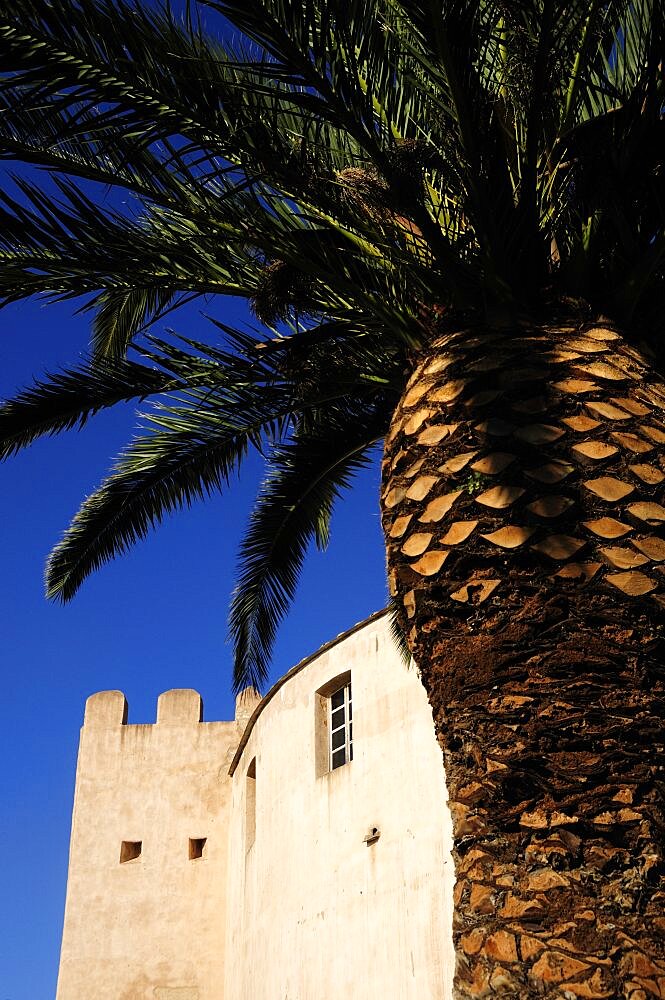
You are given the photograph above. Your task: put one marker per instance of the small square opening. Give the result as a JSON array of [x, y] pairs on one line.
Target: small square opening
[[130, 850], [196, 847]]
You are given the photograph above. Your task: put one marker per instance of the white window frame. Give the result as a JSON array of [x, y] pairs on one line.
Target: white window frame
[[343, 711]]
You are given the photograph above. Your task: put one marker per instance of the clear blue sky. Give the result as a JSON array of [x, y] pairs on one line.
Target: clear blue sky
[[153, 620]]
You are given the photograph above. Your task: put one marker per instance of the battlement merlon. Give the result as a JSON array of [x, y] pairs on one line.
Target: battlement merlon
[[177, 707]]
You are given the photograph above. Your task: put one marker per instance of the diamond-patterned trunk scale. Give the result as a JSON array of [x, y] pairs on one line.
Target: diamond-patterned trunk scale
[[524, 510]]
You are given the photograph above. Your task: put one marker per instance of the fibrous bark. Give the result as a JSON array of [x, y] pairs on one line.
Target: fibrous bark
[[523, 509]]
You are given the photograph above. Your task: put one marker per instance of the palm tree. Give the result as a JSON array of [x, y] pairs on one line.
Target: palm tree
[[451, 220]]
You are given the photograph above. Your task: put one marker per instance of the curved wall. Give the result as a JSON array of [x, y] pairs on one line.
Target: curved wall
[[314, 912]]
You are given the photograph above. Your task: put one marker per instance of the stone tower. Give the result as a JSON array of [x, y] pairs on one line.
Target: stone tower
[[299, 852]]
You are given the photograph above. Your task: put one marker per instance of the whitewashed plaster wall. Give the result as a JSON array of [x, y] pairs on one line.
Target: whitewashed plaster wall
[[313, 911]]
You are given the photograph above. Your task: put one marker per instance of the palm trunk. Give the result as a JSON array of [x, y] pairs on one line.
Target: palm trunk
[[521, 504]]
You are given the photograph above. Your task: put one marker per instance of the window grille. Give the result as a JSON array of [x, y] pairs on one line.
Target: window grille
[[341, 727]]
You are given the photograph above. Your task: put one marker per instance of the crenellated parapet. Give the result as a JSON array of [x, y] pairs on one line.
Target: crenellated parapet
[[177, 707]]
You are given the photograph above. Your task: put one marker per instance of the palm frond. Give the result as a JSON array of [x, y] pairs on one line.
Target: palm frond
[[76, 54], [67, 400], [192, 445], [119, 103], [64, 246], [305, 477], [121, 313], [397, 632], [46, 136], [191, 452]]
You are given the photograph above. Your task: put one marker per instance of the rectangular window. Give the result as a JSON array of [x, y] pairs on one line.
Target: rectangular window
[[341, 727], [250, 805]]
